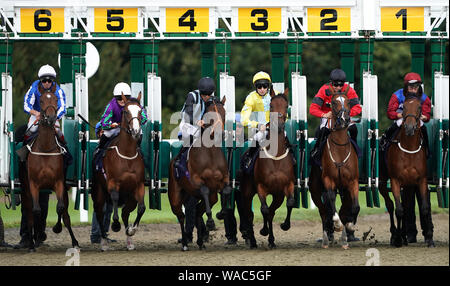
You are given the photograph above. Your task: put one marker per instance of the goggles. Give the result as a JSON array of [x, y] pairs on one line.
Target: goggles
[[46, 80], [119, 97], [414, 84], [262, 85], [338, 83]]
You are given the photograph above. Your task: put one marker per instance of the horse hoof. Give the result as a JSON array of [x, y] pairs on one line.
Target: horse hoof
[[345, 246], [57, 228], [104, 244], [350, 227], [324, 246], [430, 243], [30, 250], [130, 231], [210, 225], [130, 247], [201, 247], [272, 245], [285, 226], [264, 231], [398, 242], [185, 248], [115, 226]]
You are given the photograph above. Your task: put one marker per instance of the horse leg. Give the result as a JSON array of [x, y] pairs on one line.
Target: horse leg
[[139, 197], [130, 205], [205, 192], [36, 225], [389, 206], [99, 202], [201, 228], [276, 203], [316, 188], [262, 194], [66, 219], [115, 226], [59, 188], [353, 192], [290, 201], [246, 213], [27, 206], [175, 200], [395, 187], [331, 217], [425, 213]]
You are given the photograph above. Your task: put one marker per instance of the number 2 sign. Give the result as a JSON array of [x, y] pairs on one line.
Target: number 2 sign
[[329, 20]]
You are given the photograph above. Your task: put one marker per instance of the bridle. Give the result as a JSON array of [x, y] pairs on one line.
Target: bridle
[[128, 129], [340, 116]]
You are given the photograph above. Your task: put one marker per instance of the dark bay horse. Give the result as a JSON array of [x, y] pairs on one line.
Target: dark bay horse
[[123, 179], [208, 173], [44, 169], [339, 171], [406, 167], [273, 174]]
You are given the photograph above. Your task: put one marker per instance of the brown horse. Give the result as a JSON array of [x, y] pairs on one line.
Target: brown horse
[[123, 179], [208, 173], [407, 170], [339, 171], [273, 174], [44, 169]]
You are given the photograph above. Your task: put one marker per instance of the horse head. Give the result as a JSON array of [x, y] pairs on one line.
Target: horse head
[[131, 116], [412, 110], [279, 109], [49, 106], [215, 114], [341, 111]]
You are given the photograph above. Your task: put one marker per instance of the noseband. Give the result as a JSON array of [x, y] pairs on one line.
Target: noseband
[[48, 120]]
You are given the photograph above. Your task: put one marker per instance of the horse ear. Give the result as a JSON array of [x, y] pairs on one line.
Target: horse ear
[[272, 92], [286, 92], [139, 96], [124, 98], [224, 99]]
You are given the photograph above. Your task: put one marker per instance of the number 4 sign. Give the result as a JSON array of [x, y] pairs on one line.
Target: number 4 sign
[[186, 20]]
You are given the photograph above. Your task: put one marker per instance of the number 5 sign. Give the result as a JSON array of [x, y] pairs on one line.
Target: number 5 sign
[[116, 20], [329, 20]]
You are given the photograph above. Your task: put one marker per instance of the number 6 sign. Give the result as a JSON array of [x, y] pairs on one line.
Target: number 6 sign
[[42, 20]]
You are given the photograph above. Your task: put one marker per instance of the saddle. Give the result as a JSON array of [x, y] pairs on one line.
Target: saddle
[[99, 154], [317, 158], [180, 166]]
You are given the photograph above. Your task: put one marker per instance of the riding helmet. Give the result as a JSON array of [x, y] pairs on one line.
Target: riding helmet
[[261, 77], [47, 71], [120, 88], [206, 86], [412, 77], [337, 75]]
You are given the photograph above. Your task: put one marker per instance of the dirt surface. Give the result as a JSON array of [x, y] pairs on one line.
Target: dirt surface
[[156, 244]]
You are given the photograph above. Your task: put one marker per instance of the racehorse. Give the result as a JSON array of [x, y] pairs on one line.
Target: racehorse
[[406, 167], [273, 174], [122, 181], [208, 173], [44, 169], [338, 171]]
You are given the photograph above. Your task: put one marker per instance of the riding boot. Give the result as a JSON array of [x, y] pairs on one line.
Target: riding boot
[[321, 135], [387, 136], [179, 156], [425, 139], [248, 156], [101, 145]]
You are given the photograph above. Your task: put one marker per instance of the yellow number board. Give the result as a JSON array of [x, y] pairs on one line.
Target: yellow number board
[[259, 19], [402, 19], [42, 20], [329, 20], [185, 20], [116, 20]]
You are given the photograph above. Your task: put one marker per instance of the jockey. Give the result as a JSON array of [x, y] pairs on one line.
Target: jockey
[[192, 112], [31, 105], [321, 107], [411, 86], [256, 112], [109, 125]]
